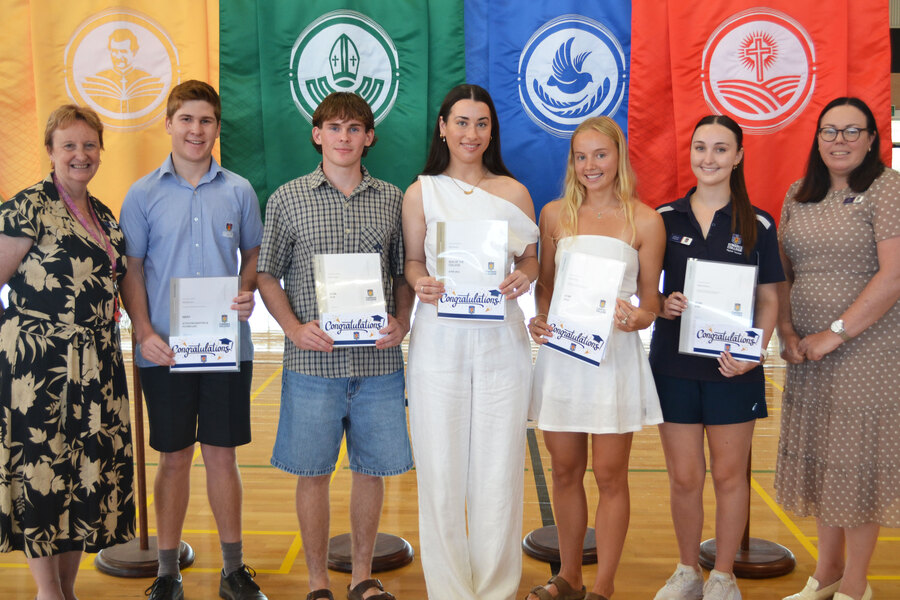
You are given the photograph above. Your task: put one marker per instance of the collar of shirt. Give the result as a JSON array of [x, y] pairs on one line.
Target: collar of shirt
[[317, 179], [168, 168], [683, 205]]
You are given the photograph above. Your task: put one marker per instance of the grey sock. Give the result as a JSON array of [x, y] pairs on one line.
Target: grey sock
[[168, 563], [232, 556]]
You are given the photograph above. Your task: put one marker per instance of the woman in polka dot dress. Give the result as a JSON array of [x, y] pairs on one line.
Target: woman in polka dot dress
[[839, 453]]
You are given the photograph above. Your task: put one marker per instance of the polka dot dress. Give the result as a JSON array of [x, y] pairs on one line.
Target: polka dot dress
[[839, 452]]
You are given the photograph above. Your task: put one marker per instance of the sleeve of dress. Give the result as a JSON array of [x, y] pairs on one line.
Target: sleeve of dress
[[522, 230], [786, 206], [19, 216], [116, 236], [886, 205]]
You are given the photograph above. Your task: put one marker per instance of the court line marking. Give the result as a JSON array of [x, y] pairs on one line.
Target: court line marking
[[266, 383], [805, 540]]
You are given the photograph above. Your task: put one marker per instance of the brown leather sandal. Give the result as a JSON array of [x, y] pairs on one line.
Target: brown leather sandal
[[322, 593], [357, 592], [564, 590]]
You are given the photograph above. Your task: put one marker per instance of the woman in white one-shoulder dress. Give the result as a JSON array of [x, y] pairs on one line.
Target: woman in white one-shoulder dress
[[598, 214], [468, 380]]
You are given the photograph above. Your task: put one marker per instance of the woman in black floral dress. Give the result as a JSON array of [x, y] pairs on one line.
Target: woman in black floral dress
[[65, 443]]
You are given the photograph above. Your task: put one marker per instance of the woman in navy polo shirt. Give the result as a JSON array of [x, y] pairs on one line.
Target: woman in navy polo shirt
[[721, 396]]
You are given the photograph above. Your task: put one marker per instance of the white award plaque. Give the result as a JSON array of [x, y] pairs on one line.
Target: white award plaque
[[719, 315], [471, 262], [204, 331], [350, 298], [584, 305]]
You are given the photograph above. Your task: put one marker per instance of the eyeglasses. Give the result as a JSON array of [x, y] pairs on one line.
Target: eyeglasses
[[850, 134]]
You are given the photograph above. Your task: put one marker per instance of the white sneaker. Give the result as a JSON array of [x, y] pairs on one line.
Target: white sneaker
[[721, 586], [684, 584]]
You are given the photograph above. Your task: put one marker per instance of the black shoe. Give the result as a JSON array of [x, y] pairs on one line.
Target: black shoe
[[167, 587], [239, 585]]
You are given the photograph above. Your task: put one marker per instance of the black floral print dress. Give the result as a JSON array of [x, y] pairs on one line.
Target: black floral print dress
[[66, 468]]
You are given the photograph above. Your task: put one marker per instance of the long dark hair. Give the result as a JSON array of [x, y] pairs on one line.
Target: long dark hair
[[743, 217], [439, 155], [817, 179]]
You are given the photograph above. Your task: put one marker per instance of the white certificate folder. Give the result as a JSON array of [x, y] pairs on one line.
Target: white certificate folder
[[719, 315], [204, 331], [350, 298], [471, 262], [584, 305]]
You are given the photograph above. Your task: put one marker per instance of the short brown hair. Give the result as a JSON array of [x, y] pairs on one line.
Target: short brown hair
[[344, 106], [193, 89], [67, 114]]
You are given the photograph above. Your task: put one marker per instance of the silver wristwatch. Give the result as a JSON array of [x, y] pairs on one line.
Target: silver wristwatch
[[838, 328]]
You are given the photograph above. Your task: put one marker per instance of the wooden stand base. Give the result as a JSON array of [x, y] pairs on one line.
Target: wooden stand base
[[129, 560], [543, 544], [760, 559], [391, 552]]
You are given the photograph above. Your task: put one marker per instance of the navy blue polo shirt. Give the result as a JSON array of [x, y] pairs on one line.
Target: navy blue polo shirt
[[685, 240]]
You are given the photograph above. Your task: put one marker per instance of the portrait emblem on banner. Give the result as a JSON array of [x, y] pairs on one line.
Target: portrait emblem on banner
[[344, 51], [572, 68], [759, 67], [122, 64]]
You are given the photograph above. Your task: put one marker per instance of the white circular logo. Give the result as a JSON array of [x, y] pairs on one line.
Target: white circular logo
[[344, 51], [122, 64], [571, 68], [759, 67]]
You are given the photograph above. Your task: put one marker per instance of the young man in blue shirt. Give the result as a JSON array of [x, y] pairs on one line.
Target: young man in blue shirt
[[192, 218]]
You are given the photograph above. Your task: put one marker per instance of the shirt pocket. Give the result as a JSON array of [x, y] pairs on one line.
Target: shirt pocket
[[226, 227], [376, 238]]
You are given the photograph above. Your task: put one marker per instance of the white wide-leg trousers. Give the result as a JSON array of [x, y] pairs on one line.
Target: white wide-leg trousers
[[469, 390]]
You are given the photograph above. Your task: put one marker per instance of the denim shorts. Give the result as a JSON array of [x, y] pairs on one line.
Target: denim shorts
[[316, 411], [710, 402]]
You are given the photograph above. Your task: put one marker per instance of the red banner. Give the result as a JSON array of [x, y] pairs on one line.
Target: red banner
[[771, 68]]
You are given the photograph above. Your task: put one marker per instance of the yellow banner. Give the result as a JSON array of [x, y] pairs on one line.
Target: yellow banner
[[119, 58]]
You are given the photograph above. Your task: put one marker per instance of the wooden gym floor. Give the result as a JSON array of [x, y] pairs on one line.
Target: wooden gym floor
[[273, 546]]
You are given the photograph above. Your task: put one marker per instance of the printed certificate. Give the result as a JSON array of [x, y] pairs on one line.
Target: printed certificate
[[350, 298], [204, 332], [471, 262], [584, 305], [719, 315]]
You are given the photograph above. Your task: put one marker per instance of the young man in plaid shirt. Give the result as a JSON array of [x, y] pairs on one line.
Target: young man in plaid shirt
[[327, 391]]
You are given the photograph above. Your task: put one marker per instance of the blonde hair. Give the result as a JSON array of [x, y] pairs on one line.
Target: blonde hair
[[67, 114], [574, 191]]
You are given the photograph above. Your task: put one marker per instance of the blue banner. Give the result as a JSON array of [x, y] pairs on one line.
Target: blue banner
[[548, 68]]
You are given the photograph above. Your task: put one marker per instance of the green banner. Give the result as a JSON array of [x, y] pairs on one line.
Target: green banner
[[279, 58]]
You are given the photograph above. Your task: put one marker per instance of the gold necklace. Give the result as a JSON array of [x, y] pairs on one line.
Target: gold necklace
[[614, 211], [465, 191]]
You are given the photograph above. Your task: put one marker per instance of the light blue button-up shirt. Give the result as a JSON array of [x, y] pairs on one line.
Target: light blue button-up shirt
[[184, 231]]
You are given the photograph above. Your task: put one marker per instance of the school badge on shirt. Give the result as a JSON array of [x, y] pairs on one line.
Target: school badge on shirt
[[735, 246]]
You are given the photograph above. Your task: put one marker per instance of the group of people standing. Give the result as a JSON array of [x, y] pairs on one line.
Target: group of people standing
[[828, 280]]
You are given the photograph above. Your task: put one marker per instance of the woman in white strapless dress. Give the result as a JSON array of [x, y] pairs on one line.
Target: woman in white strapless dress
[[599, 214]]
